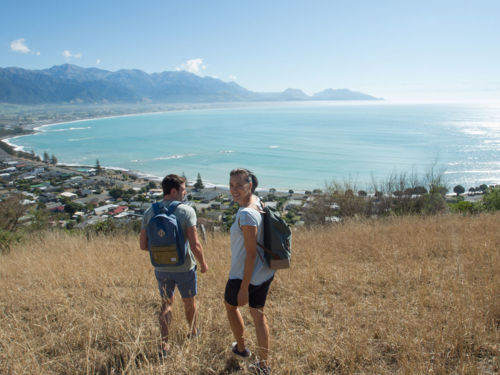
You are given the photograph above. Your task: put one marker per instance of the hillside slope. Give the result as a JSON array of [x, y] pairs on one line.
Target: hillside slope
[[407, 295]]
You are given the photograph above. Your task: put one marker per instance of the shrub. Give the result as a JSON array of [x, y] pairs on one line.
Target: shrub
[[491, 200], [433, 203], [11, 210], [7, 239], [113, 227], [464, 207]]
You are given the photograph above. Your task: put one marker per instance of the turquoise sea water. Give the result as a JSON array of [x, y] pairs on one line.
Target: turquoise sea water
[[290, 145]]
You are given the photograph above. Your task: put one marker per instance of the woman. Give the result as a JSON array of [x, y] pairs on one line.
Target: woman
[[250, 276]]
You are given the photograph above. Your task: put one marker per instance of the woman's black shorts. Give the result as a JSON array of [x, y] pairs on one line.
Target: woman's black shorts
[[257, 294]]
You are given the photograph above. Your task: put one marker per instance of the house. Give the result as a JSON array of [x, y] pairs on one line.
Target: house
[[47, 197], [86, 192], [55, 207], [155, 193], [7, 170], [139, 207], [293, 203], [271, 204], [69, 195], [118, 210], [25, 202], [104, 209], [121, 215]]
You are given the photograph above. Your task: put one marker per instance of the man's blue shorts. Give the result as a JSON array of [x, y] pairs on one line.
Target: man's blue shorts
[[186, 283]]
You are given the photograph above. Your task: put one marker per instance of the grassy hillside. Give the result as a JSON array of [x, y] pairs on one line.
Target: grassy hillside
[[409, 295]]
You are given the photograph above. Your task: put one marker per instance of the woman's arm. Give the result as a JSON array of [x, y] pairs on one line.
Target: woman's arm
[[250, 240]]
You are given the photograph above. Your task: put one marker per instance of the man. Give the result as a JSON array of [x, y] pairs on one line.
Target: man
[[182, 276]]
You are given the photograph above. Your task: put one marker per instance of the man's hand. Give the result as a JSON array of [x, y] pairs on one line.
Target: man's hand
[[143, 240], [203, 267]]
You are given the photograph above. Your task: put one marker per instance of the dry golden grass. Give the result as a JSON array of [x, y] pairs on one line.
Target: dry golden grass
[[406, 295]]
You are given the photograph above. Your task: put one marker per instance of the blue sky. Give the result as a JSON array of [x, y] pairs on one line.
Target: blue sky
[[399, 50]]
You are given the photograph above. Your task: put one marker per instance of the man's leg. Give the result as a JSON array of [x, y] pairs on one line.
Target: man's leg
[[191, 316], [262, 332], [236, 324], [165, 317]]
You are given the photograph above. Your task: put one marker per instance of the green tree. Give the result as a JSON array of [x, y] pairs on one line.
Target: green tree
[[45, 157], [199, 183], [116, 193], [459, 189], [98, 166], [72, 207], [419, 190], [53, 160]]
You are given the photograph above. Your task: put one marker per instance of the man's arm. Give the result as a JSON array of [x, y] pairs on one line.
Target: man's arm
[[143, 240], [196, 248]]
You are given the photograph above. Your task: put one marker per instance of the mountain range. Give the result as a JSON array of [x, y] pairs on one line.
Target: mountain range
[[73, 84]]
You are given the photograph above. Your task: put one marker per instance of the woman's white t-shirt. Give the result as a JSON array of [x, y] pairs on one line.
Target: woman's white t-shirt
[[261, 271]]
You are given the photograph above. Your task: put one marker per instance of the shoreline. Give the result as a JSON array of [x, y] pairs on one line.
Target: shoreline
[[208, 184], [33, 129]]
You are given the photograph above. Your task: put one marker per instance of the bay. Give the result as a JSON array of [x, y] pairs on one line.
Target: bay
[[292, 145]]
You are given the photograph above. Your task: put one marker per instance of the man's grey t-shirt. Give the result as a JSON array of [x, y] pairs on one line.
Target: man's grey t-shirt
[[187, 218]]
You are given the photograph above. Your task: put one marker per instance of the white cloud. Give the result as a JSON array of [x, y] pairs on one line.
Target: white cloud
[[98, 61], [19, 45], [70, 55], [232, 77], [192, 66]]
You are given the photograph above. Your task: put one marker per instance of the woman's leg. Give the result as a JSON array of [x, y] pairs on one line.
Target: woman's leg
[[262, 332], [236, 324]]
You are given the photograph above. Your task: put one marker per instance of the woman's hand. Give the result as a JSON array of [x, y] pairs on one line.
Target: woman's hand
[[243, 297]]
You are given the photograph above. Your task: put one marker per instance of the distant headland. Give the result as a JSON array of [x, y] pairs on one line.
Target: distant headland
[[71, 84]]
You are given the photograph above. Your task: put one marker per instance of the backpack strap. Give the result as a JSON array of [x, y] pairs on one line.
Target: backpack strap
[[258, 244], [156, 208], [172, 206]]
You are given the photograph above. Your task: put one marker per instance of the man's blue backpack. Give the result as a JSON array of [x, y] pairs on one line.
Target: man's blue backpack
[[165, 238]]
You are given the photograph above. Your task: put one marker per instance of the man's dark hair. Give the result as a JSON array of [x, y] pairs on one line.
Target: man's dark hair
[[172, 181]]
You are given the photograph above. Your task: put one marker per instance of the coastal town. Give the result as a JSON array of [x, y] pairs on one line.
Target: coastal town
[[78, 197]]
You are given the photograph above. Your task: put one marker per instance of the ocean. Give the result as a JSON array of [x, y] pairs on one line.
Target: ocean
[[296, 145]]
